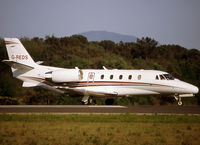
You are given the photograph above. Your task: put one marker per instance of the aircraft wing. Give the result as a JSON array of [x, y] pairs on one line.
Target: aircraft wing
[[101, 91], [17, 65], [98, 91], [109, 91]]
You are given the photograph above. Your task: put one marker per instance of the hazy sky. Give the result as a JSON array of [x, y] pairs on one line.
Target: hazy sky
[[167, 21]]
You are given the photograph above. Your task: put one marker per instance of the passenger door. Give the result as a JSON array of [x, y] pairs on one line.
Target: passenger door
[[91, 76]]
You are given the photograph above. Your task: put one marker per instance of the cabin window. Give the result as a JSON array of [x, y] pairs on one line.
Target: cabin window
[[111, 77], [139, 77], [120, 77], [102, 77], [162, 77], [130, 77], [157, 78]]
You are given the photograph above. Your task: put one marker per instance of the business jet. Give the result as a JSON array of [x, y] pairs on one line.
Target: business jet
[[93, 83]]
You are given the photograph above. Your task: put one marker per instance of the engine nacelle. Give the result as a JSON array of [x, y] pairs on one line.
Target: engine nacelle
[[69, 75]]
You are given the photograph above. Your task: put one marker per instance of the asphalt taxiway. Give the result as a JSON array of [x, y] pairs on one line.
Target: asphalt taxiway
[[99, 109]]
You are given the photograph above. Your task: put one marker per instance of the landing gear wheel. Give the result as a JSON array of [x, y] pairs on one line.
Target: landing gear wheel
[[85, 103], [180, 103]]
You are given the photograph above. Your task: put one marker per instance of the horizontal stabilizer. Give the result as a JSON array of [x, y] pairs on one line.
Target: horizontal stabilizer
[[39, 62], [17, 65]]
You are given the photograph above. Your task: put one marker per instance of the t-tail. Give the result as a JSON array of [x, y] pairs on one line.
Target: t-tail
[[21, 63], [19, 59]]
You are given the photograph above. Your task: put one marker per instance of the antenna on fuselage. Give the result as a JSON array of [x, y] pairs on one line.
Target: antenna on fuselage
[[105, 68]]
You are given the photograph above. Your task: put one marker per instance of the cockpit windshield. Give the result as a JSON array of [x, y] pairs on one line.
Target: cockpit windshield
[[168, 76]]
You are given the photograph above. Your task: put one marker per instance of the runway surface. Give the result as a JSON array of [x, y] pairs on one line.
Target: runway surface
[[99, 109]]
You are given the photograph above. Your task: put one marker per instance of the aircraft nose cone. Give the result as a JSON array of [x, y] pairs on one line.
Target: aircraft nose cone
[[195, 90], [192, 89]]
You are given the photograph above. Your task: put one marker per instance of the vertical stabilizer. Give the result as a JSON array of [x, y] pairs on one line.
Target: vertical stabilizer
[[17, 52]]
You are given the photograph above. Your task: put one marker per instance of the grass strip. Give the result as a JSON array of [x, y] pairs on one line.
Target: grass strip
[[101, 118]]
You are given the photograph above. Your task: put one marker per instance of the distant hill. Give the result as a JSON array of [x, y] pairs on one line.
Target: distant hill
[[104, 35]]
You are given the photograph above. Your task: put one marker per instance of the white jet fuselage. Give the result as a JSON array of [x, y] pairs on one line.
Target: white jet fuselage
[[102, 83]]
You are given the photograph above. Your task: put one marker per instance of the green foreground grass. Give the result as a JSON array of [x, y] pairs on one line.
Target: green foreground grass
[[94, 129]]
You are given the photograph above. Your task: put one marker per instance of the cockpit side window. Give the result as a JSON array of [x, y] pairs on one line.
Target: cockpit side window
[[157, 78], [168, 76], [162, 77]]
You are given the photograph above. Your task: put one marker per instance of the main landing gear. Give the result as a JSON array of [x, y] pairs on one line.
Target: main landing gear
[[87, 100], [178, 98]]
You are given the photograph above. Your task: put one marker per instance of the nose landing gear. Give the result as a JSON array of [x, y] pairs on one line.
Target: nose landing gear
[[178, 98]]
